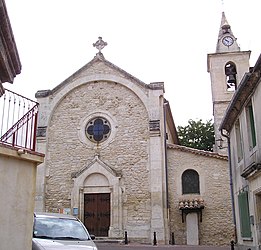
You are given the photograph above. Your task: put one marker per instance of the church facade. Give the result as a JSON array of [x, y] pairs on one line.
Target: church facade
[[112, 158]]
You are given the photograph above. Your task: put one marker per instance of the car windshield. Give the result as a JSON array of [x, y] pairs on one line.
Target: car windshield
[[59, 228]]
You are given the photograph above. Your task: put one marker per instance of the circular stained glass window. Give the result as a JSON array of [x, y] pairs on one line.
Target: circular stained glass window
[[98, 129]]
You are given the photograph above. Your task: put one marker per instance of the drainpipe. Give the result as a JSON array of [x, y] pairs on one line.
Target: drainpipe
[[231, 182]]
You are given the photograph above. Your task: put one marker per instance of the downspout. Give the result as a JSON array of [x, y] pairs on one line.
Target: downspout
[[231, 183]]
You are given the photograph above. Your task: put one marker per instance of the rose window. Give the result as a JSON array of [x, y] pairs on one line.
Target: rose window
[[98, 129]]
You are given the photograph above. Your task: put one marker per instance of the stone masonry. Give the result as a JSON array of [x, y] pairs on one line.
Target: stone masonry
[[216, 227], [131, 164], [102, 89]]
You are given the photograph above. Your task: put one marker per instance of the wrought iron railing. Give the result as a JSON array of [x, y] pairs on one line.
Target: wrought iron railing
[[18, 122]]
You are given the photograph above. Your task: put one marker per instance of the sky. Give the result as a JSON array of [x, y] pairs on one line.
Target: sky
[[153, 40]]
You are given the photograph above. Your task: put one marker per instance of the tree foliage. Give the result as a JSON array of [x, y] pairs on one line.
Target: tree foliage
[[197, 134]]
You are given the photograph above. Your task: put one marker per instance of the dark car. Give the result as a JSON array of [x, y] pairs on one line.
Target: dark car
[[59, 231]]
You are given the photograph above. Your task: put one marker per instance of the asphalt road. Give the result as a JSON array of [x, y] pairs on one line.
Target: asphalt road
[[111, 246]]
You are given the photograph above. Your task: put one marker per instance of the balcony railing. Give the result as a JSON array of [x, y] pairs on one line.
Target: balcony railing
[[18, 122]]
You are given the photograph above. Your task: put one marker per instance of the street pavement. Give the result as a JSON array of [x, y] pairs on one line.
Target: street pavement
[[113, 246]]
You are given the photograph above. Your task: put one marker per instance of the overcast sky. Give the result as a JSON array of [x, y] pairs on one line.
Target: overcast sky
[[163, 40]]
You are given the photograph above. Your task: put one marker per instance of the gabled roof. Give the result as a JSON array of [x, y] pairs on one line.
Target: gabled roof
[[98, 58], [197, 151], [245, 89]]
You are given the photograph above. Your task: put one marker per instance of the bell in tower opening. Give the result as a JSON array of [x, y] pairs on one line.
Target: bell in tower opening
[[231, 72]]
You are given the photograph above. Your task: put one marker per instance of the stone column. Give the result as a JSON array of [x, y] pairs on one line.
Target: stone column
[[157, 207]]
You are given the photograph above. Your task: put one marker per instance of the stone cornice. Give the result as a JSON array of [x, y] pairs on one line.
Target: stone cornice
[[21, 154], [251, 170]]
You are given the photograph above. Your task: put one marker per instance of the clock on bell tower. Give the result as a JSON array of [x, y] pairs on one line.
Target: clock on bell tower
[[226, 67]]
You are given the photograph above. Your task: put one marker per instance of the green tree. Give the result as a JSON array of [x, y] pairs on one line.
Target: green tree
[[197, 134]]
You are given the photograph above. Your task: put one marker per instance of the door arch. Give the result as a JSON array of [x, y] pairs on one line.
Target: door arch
[[99, 178]]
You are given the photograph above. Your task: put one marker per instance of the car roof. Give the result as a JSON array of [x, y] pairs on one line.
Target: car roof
[[54, 215]]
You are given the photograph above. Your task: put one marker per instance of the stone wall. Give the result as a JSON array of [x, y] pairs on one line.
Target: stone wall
[[216, 227], [126, 153]]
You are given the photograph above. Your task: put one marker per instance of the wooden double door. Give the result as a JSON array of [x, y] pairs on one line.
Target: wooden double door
[[97, 213]]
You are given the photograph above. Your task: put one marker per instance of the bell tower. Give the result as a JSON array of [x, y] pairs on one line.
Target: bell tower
[[227, 67]]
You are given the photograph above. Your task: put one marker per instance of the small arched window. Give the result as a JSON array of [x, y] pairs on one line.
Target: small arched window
[[190, 182]]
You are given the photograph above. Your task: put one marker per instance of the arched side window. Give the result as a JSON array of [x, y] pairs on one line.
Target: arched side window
[[190, 182], [231, 76]]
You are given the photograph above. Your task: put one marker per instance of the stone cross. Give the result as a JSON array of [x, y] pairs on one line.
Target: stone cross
[[100, 44]]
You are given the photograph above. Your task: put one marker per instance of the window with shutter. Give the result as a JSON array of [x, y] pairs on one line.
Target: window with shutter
[[244, 214], [251, 126]]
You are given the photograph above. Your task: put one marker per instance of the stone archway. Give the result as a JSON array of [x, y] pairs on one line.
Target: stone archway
[[99, 178]]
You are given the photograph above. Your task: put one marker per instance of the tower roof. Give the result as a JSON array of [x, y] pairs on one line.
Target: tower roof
[[227, 42]]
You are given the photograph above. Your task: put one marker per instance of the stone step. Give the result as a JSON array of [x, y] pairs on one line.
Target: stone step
[[108, 240]]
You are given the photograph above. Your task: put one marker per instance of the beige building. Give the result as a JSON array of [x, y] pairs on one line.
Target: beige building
[[113, 160], [242, 126]]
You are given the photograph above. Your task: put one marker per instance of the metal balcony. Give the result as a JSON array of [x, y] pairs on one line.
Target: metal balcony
[[18, 122]]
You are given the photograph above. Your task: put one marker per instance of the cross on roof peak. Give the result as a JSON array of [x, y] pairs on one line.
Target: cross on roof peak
[[100, 44]]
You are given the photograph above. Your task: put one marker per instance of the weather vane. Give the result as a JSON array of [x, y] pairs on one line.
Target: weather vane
[[100, 44]]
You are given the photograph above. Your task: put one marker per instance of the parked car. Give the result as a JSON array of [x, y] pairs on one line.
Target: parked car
[[59, 231]]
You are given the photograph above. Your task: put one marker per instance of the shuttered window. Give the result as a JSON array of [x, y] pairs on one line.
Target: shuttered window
[[251, 126], [239, 141], [244, 214]]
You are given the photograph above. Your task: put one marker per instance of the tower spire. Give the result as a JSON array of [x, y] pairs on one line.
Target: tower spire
[[227, 42], [226, 67]]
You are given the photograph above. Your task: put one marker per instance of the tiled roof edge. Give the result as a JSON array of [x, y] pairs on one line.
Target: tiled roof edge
[[197, 151]]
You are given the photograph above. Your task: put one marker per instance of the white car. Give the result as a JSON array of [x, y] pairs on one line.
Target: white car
[[59, 231]]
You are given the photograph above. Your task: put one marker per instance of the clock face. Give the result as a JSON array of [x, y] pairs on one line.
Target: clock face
[[228, 41]]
